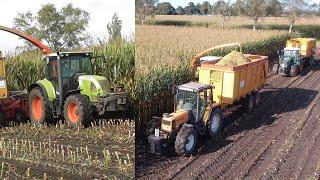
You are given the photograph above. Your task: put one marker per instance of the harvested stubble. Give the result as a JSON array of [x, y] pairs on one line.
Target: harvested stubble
[[234, 58]]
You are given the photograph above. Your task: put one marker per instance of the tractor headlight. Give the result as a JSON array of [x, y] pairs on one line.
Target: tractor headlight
[[93, 87]]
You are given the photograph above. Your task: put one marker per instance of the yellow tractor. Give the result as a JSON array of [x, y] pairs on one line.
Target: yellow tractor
[[195, 114]]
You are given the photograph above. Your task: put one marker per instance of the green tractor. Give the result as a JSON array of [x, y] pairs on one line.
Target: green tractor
[[70, 91], [291, 62]]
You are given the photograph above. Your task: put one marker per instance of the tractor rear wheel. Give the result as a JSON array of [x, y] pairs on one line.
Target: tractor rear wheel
[[40, 110], [77, 111], [215, 122], [186, 141]]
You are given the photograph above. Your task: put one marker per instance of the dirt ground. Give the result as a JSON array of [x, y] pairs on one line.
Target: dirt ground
[[280, 139]]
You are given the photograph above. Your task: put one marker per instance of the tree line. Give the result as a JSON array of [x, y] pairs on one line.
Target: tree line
[[255, 9], [62, 29]]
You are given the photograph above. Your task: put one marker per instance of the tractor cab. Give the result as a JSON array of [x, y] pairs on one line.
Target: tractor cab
[[72, 66], [289, 56], [192, 100], [193, 97]]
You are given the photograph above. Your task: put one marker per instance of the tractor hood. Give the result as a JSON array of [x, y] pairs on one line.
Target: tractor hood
[[94, 86], [173, 121]]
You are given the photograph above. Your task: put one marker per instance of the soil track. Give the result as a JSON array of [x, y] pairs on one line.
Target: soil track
[[279, 139]]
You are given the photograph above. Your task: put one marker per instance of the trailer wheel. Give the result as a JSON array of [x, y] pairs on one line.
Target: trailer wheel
[[294, 70], [275, 69], [215, 122], [40, 111], [1, 117], [20, 116], [77, 111], [186, 141], [256, 98], [249, 103]]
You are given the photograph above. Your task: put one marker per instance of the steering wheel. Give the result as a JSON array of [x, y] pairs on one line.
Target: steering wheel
[[75, 74]]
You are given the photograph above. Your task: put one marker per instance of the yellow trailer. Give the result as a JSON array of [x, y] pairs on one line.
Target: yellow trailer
[[306, 45], [3, 84], [233, 83]]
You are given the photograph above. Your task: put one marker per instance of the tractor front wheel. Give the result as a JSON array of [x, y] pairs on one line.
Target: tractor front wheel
[[294, 70], [186, 141], [77, 111], [40, 111]]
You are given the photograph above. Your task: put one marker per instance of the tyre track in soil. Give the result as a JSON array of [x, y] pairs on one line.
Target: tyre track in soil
[[222, 164], [278, 149], [286, 157], [172, 166]]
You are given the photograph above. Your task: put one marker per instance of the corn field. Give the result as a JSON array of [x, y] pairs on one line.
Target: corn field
[[181, 43], [215, 21]]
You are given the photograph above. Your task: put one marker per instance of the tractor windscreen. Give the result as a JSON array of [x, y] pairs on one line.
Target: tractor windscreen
[[71, 65], [186, 100], [290, 53]]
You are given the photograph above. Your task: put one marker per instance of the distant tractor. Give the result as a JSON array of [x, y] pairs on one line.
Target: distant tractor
[[298, 54], [71, 91]]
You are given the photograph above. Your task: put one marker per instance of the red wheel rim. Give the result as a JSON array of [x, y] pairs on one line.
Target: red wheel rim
[[73, 113], [37, 108]]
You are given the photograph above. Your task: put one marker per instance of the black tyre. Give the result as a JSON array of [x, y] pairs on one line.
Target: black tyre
[[294, 70], [186, 141], [256, 98], [40, 110], [152, 125], [249, 103], [20, 116], [215, 122], [275, 68], [77, 111], [1, 117]]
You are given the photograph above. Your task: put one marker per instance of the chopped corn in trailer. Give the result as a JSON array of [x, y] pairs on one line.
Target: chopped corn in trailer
[[199, 105]]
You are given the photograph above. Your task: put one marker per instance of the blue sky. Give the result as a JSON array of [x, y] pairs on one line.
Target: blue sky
[[183, 3]]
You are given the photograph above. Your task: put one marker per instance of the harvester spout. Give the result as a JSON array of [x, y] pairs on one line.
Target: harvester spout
[[45, 49]]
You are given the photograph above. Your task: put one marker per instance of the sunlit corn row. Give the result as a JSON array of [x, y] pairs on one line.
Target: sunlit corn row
[[236, 20], [157, 46]]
